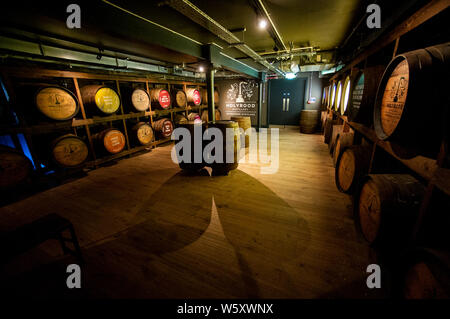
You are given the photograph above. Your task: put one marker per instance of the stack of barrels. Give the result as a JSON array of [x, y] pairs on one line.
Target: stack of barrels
[[387, 201]]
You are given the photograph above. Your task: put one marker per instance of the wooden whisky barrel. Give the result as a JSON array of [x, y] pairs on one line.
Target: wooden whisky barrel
[[204, 93], [69, 151], [56, 103], [338, 97], [101, 99], [353, 163], [343, 140], [309, 120], [191, 161], [411, 81], [345, 96], [244, 123], [15, 168], [140, 100], [193, 116], [141, 134], [163, 128], [331, 99], [387, 207], [160, 98], [232, 147], [324, 96], [328, 130], [426, 274], [337, 129], [194, 97], [362, 95], [110, 141], [179, 98], [205, 118], [180, 119]]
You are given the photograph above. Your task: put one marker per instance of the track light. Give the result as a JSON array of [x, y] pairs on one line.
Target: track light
[[262, 24]]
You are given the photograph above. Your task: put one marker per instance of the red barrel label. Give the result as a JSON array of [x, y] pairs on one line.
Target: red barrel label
[[164, 99], [167, 129], [196, 97]]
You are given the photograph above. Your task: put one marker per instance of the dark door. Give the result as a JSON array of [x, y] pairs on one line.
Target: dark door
[[287, 99]]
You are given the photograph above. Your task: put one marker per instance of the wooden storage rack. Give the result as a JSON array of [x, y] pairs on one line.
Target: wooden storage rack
[[8, 73], [434, 175]]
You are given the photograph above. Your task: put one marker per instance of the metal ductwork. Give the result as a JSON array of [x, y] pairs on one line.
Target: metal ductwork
[[188, 9]]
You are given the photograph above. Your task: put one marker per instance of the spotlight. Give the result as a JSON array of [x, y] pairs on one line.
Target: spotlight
[[201, 69], [262, 23], [290, 76]]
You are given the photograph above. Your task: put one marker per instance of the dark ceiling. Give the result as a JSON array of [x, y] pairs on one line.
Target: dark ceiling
[[325, 24]]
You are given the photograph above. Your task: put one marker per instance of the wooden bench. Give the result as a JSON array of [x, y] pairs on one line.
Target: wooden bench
[[24, 238]]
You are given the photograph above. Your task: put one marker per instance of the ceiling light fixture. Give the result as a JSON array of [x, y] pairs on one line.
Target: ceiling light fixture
[[290, 76], [262, 23], [201, 69]]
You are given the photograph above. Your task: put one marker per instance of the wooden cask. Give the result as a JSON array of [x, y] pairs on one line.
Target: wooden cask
[[352, 165], [160, 98], [337, 129], [56, 103], [386, 206], [69, 151], [180, 119], [362, 96], [110, 141], [205, 117], [163, 128], [140, 100], [328, 130], [141, 134], [331, 99], [338, 97], [15, 168], [426, 274], [179, 98], [194, 97], [231, 149], [309, 121], [192, 161], [346, 88], [244, 123], [324, 96], [100, 99], [343, 140], [323, 119], [412, 97], [204, 93]]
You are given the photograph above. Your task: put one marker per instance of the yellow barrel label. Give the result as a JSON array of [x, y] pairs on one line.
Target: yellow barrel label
[[70, 151], [394, 98], [140, 100], [107, 100], [56, 103]]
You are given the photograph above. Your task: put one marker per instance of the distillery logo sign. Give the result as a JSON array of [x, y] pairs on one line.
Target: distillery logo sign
[[242, 99]]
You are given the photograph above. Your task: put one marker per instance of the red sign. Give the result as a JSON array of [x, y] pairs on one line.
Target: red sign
[[164, 99], [196, 97]]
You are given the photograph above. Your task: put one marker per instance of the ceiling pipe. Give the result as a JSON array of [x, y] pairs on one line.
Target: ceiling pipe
[[275, 34], [194, 13]]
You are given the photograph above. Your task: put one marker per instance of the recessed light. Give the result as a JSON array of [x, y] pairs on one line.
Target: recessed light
[[262, 23]]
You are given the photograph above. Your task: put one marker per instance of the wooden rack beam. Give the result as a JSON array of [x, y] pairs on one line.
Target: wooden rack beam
[[425, 13]]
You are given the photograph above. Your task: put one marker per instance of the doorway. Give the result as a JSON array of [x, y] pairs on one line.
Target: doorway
[[287, 99]]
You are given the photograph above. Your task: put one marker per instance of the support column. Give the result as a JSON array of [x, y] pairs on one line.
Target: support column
[[262, 77], [210, 92]]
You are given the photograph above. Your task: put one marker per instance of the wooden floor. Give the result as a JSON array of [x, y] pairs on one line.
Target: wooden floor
[[149, 230]]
